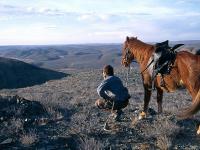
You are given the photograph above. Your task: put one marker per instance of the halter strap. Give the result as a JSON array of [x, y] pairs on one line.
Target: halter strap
[[127, 75], [127, 54]]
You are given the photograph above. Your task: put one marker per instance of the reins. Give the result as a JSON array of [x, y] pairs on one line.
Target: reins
[[127, 75], [127, 57], [147, 66]]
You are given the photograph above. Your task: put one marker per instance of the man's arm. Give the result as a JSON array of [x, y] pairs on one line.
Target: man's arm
[[101, 90]]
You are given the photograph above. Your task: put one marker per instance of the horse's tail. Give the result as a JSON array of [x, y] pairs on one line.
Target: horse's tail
[[194, 108]]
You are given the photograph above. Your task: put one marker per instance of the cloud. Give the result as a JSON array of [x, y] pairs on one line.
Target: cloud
[[110, 33], [98, 21], [19, 11], [37, 33], [85, 17], [8, 9], [93, 17], [45, 11]]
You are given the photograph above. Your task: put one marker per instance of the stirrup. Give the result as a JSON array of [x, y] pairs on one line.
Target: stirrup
[[162, 83]]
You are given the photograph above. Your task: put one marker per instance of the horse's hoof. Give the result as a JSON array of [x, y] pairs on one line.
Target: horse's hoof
[[106, 127], [142, 115], [198, 131]]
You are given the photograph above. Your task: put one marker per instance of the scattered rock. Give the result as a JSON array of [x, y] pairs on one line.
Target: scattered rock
[[7, 141], [18, 107]]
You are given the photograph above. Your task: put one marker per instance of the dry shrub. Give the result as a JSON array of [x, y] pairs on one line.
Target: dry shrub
[[145, 146], [167, 127], [164, 142], [15, 125], [29, 139], [166, 131], [163, 130], [54, 113], [90, 144]]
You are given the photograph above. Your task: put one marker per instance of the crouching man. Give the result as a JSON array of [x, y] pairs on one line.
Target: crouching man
[[114, 96]]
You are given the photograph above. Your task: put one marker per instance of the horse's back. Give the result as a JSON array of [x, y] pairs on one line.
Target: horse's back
[[189, 58], [189, 69], [189, 62]]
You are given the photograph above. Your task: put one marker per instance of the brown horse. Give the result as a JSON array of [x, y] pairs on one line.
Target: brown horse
[[185, 71]]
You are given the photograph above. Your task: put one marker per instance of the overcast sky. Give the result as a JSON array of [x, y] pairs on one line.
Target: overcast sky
[[97, 21]]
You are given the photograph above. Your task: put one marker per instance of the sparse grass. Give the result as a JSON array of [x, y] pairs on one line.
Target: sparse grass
[[75, 95], [167, 127], [90, 144], [54, 113], [163, 130], [164, 142], [16, 125]]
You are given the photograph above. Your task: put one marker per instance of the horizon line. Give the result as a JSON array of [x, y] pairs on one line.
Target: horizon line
[[100, 43]]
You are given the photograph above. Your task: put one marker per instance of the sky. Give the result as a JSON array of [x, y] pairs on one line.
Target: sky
[[24, 22]]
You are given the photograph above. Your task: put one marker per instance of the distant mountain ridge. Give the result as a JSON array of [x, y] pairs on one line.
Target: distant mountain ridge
[[80, 56]]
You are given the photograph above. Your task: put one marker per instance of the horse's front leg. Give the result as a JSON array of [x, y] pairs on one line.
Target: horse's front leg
[[159, 99], [147, 84], [147, 97]]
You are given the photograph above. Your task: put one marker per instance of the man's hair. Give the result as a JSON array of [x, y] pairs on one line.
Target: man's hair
[[108, 70]]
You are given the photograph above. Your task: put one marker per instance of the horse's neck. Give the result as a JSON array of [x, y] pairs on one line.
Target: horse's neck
[[142, 51]]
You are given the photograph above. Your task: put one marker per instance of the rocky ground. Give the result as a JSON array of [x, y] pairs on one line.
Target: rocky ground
[[60, 114]]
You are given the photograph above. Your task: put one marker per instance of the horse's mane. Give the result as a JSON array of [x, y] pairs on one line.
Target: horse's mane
[[141, 49], [139, 43]]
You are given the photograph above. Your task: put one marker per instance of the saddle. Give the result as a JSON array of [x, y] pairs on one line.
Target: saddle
[[164, 57]]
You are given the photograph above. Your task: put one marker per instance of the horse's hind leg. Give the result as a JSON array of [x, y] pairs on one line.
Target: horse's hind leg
[[159, 99]]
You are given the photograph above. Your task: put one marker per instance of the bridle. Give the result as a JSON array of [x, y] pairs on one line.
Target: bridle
[[127, 56], [127, 59]]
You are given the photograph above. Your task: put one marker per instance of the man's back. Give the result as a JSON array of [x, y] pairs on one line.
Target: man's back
[[112, 88], [114, 96]]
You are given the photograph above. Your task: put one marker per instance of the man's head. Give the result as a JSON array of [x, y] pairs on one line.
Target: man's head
[[108, 71]]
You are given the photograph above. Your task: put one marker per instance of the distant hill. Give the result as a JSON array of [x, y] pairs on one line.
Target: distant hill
[[66, 56], [82, 56], [17, 74], [192, 46]]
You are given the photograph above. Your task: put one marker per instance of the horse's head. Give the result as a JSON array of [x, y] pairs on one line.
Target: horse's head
[[127, 55]]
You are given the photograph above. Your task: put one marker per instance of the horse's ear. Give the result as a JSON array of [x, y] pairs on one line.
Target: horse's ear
[[127, 39], [176, 46]]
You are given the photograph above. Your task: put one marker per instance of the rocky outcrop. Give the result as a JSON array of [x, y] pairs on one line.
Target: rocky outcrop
[[17, 74], [20, 108]]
